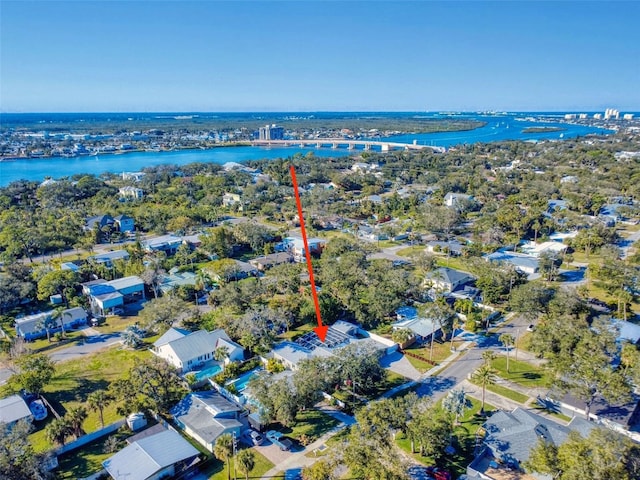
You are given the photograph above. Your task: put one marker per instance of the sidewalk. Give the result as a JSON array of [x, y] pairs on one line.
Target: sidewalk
[[299, 459]]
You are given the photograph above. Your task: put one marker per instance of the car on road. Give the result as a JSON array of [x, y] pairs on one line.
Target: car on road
[[531, 328], [277, 438]]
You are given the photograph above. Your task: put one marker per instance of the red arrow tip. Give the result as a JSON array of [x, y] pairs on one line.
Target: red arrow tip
[[321, 331]]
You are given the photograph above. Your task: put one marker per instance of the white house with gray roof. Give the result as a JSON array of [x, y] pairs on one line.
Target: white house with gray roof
[[187, 351], [204, 416], [162, 455]]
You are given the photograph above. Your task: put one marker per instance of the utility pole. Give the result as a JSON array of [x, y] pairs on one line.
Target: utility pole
[[235, 445]]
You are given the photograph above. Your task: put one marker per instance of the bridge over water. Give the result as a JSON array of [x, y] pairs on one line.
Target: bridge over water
[[383, 146]]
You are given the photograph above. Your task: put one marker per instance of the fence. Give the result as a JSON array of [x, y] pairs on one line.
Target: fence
[[90, 437]]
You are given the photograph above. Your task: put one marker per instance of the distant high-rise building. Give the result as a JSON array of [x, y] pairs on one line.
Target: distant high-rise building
[[628, 116], [570, 116], [271, 132], [611, 113], [597, 116], [582, 116]]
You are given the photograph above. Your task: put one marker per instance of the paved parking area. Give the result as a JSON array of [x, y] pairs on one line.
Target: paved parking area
[[398, 363]]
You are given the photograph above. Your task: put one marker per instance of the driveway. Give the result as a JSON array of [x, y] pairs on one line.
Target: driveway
[[398, 363], [92, 342]]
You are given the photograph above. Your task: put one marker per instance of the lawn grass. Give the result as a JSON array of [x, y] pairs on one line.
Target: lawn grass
[[310, 423], [217, 470], [297, 332], [75, 379], [508, 393], [520, 372], [411, 251], [457, 263], [86, 460], [441, 351], [464, 441]]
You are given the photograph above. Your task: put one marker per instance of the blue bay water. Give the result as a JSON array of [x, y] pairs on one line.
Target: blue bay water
[[497, 128]]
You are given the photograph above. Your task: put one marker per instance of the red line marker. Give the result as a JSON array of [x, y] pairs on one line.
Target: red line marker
[[321, 330]]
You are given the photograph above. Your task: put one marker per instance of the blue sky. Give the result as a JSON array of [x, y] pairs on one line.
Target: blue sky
[[329, 55]]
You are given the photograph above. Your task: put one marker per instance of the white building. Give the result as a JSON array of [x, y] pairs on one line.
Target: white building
[[188, 351]]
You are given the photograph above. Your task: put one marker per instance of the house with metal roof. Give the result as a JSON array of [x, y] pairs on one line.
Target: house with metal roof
[[14, 409], [509, 438], [105, 297], [206, 415], [36, 326], [107, 258], [191, 350], [524, 263], [164, 243], [162, 455]]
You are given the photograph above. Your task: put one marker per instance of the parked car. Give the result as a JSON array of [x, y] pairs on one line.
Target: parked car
[[531, 328], [277, 438], [255, 437], [38, 410]]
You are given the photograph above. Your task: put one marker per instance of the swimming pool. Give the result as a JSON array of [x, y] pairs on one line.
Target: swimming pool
[[241, 382], [208, 372]]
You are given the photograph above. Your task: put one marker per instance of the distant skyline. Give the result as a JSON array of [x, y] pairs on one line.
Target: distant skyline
[[211, 56]]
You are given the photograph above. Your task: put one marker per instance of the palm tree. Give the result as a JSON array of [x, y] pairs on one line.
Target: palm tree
[[485, 375], [47, 323], [508, 341], [59, 314], [202, 282], [221, 353], [57, 431], [223, 450], [98, 400], [488, 356], [75, 417], [245, 460]]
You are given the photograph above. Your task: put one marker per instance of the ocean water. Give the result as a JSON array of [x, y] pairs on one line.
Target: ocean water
[[498, 127]]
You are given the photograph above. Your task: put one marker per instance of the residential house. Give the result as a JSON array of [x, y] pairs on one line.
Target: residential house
[[188, 351], [124, 223], [99, 221], [107, 258], [230, 199], [34, 326], [131, 193], [176, 279], [421, 327], [545, 248], [14, 409], [509, 438], [265, 262], [524, 263], [205, 416], [69, 266], [152, 457], [452, 247], [457, 200], [164, 243], [295, 245], [447, 280], [106, 297], [339, 335], [621, 417]]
